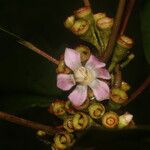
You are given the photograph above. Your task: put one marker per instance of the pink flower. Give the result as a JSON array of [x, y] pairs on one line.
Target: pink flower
[[84, 77]]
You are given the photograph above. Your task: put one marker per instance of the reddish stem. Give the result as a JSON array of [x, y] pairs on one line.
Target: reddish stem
[[128, 11], [38, 51], [145, 84], [118, 77], [59, 127], [31, 46], [115, 31], [28, 123]]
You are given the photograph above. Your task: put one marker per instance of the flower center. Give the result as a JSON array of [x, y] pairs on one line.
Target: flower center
[[84, 76]]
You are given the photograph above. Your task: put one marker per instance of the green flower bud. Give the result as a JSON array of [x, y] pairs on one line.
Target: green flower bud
[[98, 16], [69, 108], [68, 124], [118, 96], [80, 27], [110, 120], [63, 140], [96, 110], [69, 22], [124, 43], [104, 30], [62, 68], [41, 133], [80, 121], [84, 52], [104, 23], [124, 120], [84, 13], [83, 29], [125, 86], [58, 108]]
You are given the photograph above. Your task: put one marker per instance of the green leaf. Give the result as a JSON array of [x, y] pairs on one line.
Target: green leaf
[[117, 139], [145, 24], [19, 102]]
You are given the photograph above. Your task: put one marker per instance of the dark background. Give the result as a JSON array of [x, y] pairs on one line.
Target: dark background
[[27, 82]]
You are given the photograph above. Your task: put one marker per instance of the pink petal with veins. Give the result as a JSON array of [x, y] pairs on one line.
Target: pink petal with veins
[[72, 59], [93, 62], [102, 73], [78, 96], [100, 90], [65, 81]]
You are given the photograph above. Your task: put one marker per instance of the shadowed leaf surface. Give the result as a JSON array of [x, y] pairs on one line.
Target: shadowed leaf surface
[[145, 24], [28, 81]]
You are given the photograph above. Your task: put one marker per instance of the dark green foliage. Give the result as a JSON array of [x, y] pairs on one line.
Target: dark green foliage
[[145, 24], [28, 80]]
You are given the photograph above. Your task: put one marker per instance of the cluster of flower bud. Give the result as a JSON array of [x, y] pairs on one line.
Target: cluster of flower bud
[[75, 120], [95, 29], [92, 28]]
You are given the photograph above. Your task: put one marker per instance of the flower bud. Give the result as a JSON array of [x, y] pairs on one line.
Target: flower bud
[[80, 121], [69, 22], [96, 110], [110, 120], [124, 120], [63, 140], [80, 27], [86, 13], [83, 29], [118, 96], [41, 133], [68, 107], [84, 52], [98, 16], [105, 23], [104, 30], [124, 43], [62, 68], [125, 86], [57, 108], [68, 124], [83, 12]]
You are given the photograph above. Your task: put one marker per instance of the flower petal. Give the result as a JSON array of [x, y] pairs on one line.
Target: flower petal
[[72, 59], [78, 96], [93, 62], [102, 73], [100, 89], [65, 81]]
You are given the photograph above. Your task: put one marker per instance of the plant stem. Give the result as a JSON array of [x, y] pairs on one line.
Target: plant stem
[[86, 2], [31, 46], [38, 51], [118, 77], [145, 84], [27, 123], [115, 30], [129, 9]]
